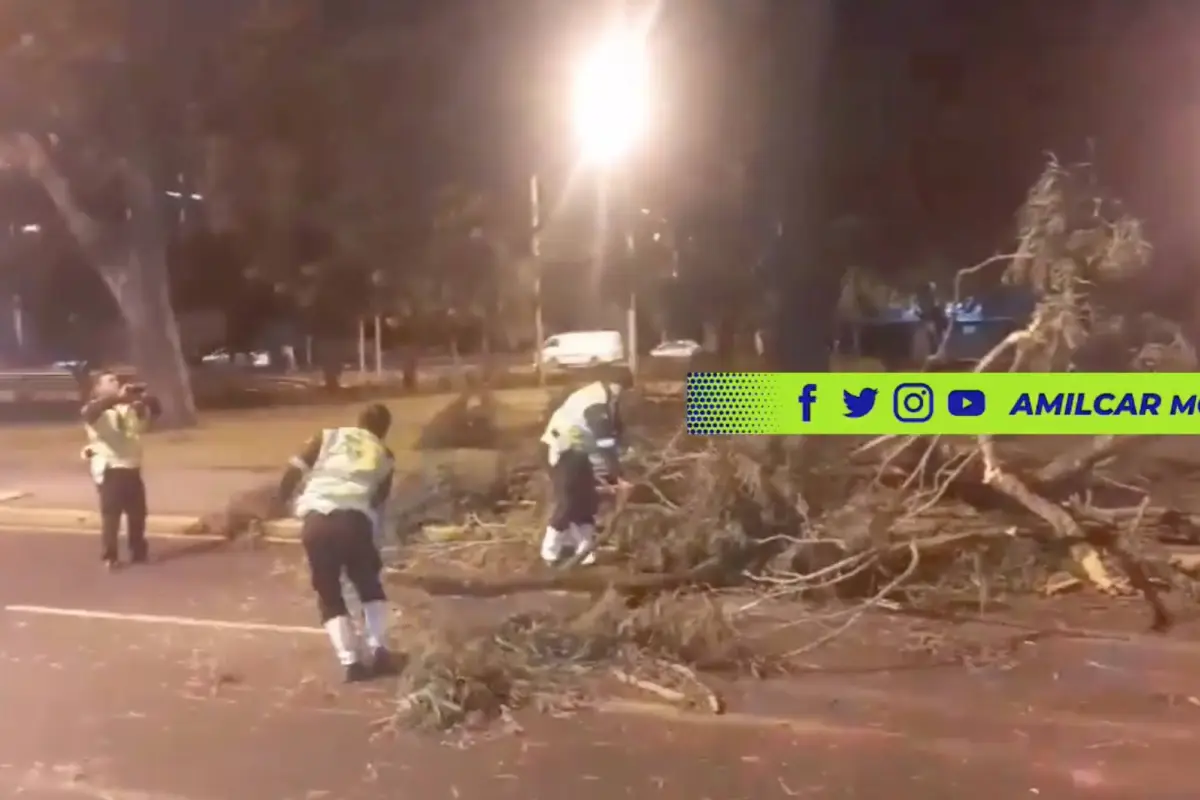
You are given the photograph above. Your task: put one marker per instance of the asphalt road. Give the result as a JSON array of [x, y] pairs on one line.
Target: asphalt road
[[152, 684]]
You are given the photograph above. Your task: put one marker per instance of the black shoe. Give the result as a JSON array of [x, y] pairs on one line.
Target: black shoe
[[357, 673], [384, 663]]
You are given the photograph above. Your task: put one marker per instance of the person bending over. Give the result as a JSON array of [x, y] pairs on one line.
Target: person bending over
[[115, 417], [583, 448], [349, 475]]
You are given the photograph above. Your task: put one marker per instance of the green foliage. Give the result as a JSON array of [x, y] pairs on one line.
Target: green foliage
[[1073, 237], [90, 99], [864, 294], [1083, 256], [329, 144]]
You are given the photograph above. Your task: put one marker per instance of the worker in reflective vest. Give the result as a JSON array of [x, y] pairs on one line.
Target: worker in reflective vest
[[349, 476], [115, 417], [583, 449]]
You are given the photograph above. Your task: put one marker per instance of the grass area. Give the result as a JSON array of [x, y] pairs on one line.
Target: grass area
[[266, 438]]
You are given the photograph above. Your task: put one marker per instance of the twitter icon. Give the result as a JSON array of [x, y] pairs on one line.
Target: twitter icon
[[859, 405]]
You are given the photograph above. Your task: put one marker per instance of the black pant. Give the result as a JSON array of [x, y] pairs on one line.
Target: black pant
[[576, 500], [122, 493], [341, 540]]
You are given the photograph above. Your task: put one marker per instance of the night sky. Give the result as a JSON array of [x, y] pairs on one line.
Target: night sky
[[977, 93], [933, 117]]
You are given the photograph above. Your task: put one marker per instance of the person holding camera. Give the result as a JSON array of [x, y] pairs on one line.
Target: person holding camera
[[115, 417]]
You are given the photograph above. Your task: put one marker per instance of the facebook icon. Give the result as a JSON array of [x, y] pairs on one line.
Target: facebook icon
[[808, 396]]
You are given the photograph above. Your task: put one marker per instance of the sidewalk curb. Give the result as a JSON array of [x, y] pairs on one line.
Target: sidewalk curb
[[68, 519]]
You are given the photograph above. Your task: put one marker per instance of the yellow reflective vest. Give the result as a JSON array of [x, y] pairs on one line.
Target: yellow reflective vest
[[585, 421], [349, 469], [115, 440]]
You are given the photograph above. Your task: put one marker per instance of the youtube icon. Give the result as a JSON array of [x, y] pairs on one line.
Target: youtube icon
[[966, 403]]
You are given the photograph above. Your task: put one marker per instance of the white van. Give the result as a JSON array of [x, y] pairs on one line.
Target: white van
[[583, 349]]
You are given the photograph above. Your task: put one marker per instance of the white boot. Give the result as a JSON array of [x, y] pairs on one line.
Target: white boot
[[584, 539], [552, 544], [341, 636], [376, 616]]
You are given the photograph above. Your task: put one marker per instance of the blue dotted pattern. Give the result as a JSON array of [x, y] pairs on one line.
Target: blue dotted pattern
[[718, 403]]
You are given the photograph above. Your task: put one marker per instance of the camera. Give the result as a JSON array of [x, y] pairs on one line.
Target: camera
[[134, 389]]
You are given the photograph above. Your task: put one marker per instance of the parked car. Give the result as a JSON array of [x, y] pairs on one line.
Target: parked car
[[222, 357], [583, 349], [677, 348]]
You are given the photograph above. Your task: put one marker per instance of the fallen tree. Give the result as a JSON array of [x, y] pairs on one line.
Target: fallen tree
[[1072, 250], [828, 529], [839, 527]]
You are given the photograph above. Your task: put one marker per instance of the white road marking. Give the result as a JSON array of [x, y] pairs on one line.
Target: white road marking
[[28, 530], [156, 619]]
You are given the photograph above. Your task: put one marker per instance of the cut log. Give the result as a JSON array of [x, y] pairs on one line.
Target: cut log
[[244, 513]]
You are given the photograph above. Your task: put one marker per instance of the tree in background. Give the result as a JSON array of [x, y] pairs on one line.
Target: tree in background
[[717, 97], [338, 167], [718, 257], [261, 147], [474, 254], [99, 111]]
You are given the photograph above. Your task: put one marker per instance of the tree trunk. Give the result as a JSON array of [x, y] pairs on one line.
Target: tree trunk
[[486, 365], [456, 369], [141, 292], [410, 368], [727, 340], [331, 376], [331, 365], [810, 297], [140, 282], [806, 285], [133, 263]]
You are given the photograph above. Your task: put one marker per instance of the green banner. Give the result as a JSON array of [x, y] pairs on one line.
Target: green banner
[[943, 403]]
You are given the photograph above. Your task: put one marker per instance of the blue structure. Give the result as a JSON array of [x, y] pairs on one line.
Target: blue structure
[[899, 339]]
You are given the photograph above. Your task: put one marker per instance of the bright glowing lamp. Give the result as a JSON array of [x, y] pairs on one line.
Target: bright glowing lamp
[[611, 103]]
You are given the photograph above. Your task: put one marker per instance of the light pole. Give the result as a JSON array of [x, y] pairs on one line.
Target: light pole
[[539, 323], [535, 251], [610, 108], [610, 105], [18, 319]]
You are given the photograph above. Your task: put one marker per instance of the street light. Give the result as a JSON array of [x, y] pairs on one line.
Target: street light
[[611, 105], [611, 97], [610, 111]]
